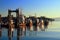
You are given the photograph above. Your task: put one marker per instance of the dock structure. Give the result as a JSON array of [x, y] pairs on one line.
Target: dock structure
[[21, 23], [11, 27], [11, 22]]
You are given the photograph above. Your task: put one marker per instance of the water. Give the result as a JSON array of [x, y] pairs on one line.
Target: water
[[51, 33]]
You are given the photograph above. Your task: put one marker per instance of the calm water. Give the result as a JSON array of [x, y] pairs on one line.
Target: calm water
[[51, 33]]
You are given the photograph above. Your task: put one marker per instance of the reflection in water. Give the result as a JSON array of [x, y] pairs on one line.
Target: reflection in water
[[55, 28], [10, 34], [38, 28], [21, 33], [32, 33], [12, 30], [0, 32], [42, 25], [10, 38], [18, 38], [43, 29], [31, 28]]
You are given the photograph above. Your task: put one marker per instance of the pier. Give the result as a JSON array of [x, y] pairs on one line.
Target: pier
[[22, 23]]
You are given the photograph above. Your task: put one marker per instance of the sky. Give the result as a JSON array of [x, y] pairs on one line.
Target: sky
[[47, 8]]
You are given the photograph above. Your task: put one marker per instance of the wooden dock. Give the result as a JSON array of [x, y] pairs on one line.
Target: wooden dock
[[20, 23]]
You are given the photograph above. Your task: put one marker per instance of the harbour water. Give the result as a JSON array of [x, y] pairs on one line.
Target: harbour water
[[51, 33]]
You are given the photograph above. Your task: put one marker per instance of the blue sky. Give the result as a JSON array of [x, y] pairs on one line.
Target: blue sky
[[48, 8]]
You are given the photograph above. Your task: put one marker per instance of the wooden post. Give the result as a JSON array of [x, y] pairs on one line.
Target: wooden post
[[22, 25], [42, 25], [24, 28], [31, 25], [38, 28], [11, 28], [11, 25]]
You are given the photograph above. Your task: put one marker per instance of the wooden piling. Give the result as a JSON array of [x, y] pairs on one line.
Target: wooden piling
[[38, 28], [42, 25], [31, 25], [22, 28], [10, 30]]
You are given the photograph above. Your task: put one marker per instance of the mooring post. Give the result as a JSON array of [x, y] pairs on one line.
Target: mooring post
[[31, 25], [23, 28], [24, 25], [38, 28], [11, 28], [42, 25]]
